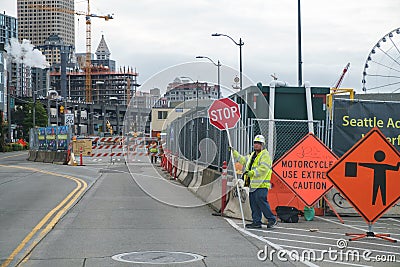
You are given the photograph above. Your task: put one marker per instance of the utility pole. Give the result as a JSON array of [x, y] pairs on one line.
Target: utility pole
[[299, 44]]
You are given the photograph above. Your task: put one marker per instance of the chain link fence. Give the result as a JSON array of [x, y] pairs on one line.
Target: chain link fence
[[284, 134], [193, 138]]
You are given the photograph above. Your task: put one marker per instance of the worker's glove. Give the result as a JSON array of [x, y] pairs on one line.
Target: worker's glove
[[250, 174], [235, 153]]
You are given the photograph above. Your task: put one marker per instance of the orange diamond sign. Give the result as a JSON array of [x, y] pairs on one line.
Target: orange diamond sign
[[368, 175], [303, 169]]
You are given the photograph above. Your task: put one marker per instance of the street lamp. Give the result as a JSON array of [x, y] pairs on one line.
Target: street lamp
[[219, 74], [240, 44]]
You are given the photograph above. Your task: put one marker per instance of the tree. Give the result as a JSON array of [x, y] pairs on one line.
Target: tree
[[24, 117]]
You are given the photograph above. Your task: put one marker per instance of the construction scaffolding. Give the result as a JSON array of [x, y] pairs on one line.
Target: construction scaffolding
[[109, 87]]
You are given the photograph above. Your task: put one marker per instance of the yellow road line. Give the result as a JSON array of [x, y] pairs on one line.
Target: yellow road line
[[75, 194]]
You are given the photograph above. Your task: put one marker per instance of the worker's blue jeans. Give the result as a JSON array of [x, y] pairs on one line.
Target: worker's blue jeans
[[259, 204]]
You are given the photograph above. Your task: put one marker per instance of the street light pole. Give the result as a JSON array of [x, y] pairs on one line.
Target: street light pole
[[34, 109], [218, 74], [299, 44], [240, 44]]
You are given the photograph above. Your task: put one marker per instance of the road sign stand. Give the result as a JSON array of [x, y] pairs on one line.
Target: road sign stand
[[235, 175], [370, 233], [334, 211]]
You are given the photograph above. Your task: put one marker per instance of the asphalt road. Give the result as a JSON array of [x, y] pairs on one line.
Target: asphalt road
[[113, 216], [109, 215]]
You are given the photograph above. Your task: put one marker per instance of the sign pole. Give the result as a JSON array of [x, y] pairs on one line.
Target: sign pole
[[235, 175]]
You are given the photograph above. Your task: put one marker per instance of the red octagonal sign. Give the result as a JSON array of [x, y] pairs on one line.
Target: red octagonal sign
[[224, 113]]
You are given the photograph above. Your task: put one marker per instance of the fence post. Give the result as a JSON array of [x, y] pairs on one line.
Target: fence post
[[80, 156], [176, 166], [224, 184]]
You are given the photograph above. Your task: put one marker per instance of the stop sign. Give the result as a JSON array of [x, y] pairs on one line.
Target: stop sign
[[224, 113]]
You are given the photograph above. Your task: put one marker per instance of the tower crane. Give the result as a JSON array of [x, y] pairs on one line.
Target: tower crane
[[88, 16]]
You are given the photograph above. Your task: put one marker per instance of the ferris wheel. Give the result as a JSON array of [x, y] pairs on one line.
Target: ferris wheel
[[381, 72]]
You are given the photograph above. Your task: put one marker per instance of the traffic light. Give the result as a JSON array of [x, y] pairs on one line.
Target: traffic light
[[61, 109]]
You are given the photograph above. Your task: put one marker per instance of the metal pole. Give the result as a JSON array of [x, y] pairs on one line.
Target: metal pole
[[197, 94], [9, 118], [240, 44], [219, 80], [240, 63], [299, 44], [235, 175], [48, 111], [57, 112], [34, 109]]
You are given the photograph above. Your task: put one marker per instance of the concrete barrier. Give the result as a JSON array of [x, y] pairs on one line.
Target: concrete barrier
[[210, 190], [32, 155], [183, 169], [233, 208], [41, 155], [61, 158], [190, 174], [197, 177], [50, 156]]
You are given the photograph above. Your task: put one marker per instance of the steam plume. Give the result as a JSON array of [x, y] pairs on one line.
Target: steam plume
[[26, 53]]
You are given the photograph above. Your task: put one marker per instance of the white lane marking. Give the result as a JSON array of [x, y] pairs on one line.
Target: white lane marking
[[275, 246], [327, 238], [323, 244]]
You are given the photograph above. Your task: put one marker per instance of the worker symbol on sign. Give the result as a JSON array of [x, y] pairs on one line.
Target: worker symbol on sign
[[379, 173]]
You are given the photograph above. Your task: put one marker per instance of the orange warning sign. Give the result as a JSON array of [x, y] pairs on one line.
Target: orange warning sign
[[303, 169], [368, 175]]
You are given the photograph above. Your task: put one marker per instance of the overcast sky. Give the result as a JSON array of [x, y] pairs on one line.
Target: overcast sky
[[152, 35]]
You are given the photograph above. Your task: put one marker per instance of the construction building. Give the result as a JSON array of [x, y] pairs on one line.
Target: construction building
[[108, 85]]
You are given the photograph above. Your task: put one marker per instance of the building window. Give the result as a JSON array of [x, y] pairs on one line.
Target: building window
[[162, 115]]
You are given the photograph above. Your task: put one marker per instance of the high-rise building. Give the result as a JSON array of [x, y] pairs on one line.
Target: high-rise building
[[8, 30], [39, 19]]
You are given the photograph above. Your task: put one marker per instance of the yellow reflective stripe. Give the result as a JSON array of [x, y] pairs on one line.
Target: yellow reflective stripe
[[265, 164], [256, 173], [259, 181]]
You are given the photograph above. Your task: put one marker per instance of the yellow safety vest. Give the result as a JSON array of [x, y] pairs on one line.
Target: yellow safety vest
[[261, 167]]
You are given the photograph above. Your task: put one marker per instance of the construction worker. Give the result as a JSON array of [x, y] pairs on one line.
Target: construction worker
[[257, 176], [153, 152]]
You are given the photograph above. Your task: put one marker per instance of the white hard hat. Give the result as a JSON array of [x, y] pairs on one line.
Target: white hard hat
[[259, 138]]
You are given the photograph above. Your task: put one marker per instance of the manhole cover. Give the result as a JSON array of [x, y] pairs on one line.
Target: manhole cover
[[157, 257]]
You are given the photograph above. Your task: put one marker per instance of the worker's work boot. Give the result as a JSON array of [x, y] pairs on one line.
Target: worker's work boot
[[253, 226]]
